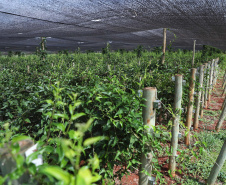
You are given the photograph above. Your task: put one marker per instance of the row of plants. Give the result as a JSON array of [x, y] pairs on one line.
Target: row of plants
[[84, 111]]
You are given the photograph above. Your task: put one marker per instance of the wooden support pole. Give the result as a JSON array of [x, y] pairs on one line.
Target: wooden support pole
[[203, 92], [207, 85], [210, 82], [176, 121], [109, 67], [190, 105], [224, 78], [43, 43], [223, 104], [28, 69], [224, 91], [225, 74], [217, 166], [197, 102], [224, 81], [215, 72], [213, 68], [193, 57], [222, 116], [202, 104], [149, 94], [164, 46]]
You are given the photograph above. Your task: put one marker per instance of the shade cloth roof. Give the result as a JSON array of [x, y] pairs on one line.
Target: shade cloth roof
[[90, 24]]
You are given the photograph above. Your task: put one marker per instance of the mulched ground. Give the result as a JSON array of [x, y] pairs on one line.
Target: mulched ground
[[208, 123]]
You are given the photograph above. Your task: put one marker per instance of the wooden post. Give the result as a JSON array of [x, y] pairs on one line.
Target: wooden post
[[164, 46], [28, 69], [193, 57], [203, 92], [224, 81], [210, 82], [224, 91], [212, 73], [190, 105], [224, 103], [224, 74], [217, 166], [202, 104], [197, 102], [109, 67], [176, 121], [43, 44], [222, 116], [207, 85], [149, 93], [215, 72]]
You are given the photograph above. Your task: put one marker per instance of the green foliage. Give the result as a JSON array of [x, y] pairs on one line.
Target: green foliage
[[53, 105], [62, 152], [157, 50], [139, 50], [208, 51], [18, 53], [206, 150], [41, 50], [10, 53], [106, 51], [63, 52]]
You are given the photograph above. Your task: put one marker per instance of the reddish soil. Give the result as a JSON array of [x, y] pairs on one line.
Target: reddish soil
[[210, 124]]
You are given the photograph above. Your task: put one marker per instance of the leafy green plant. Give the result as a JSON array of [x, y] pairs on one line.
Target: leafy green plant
[[48, 103], [61, 147]]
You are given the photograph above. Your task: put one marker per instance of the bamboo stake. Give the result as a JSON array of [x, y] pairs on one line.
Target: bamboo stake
[[215, 72], [224, 91], [217, 166], [109, 67], [176, 121], [149, 93], [197, 102], [190, 105], [164, 46], [222, 116], [203, 92], [225, 74], [28, 69], [193, 57], [224, 81], [43, 43], [202, 105], [224, 103], [210, 82], [207, 84]]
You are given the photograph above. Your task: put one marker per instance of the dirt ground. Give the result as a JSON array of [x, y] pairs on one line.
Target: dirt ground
[[208, 123]]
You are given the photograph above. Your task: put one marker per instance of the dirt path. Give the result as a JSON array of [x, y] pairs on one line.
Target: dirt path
[[208, 122]]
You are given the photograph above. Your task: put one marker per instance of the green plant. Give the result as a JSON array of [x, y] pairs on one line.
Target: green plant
[[89, 89], [62, 148]]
